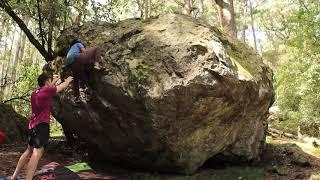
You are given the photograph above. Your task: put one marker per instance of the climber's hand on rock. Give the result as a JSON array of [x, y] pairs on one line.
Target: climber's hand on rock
[[69, 79], [65, 84], [55, 79]]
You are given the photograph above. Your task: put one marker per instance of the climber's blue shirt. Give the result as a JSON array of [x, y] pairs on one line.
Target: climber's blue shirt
[[74, 52]]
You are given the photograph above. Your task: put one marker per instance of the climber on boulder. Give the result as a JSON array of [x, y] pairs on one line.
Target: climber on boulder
[[80, 59]]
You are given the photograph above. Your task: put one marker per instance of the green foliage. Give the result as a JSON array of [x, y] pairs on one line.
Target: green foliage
[[316, 151], [151, 177], [121, 9], [23, 88], [55, 129], [240, 173], [138, 78], [304, 26], [297, 81], [51, 12]]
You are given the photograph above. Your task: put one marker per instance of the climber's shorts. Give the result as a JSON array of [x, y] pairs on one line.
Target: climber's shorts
[[39, 136]]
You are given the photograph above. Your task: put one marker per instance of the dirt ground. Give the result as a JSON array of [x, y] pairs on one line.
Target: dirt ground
[[279, 161], [58, 151]]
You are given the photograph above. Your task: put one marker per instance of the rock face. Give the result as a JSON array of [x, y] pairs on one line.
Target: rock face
[[176, 93], [12, 124]]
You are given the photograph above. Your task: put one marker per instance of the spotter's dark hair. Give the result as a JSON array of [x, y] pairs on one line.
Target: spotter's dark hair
[[42, 79]]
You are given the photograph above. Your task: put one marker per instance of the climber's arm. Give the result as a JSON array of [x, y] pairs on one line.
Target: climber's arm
[[55, 79], [65, 84]]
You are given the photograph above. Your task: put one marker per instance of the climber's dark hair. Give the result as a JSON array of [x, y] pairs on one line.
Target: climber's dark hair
[[75, 41], [42, 79]]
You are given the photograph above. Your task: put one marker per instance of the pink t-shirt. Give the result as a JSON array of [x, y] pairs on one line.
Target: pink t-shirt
[[41, 105]]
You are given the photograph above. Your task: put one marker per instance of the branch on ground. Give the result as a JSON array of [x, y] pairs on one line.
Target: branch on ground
[[23, 97]]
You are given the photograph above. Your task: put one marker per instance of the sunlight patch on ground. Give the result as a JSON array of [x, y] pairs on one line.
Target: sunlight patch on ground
[[306, 147]]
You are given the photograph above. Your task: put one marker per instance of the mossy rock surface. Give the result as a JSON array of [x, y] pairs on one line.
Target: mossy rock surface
[[12, 124], [176, 92]]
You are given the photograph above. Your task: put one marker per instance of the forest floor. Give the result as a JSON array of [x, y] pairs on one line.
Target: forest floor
[[283, 159]]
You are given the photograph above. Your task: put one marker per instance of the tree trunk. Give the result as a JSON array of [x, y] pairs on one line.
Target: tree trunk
[[1, 73], [3, 80], [5, 58], [5, 6], [186, 6], [186, 9], [149, 6], [244, 26], [7, 81], [23, 45], [82, 14], [201, 9], [15, 61], [2, 25], [244, 33], [22, 53], [141, 8], [227, 17], [3, 68], [78, 19], [146, 9], [65, 16], [252, 26], [9, 60], [40, 23], [51, 18], [300, 136], [7, 32]]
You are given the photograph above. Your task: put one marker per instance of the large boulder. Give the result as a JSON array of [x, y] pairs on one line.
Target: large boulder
[[13, 125], [176, 92]]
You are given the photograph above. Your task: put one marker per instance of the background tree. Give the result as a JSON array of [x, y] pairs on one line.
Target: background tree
[[4, 4], [227, 17], [298, 87]]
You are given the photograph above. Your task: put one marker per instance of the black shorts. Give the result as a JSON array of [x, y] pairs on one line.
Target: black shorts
[[39, 136]]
